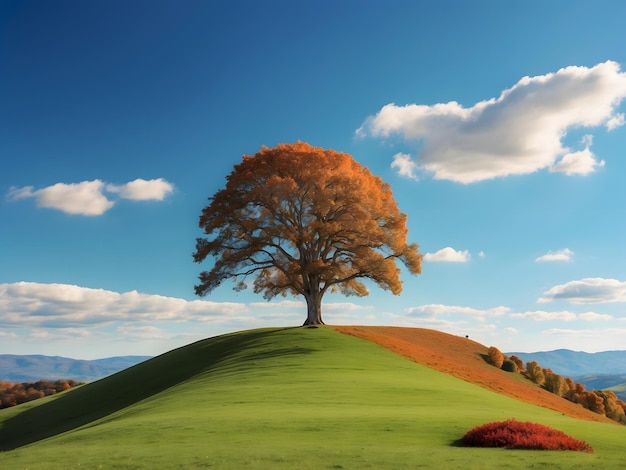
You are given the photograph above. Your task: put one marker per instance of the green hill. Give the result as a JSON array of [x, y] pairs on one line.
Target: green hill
[[282, 398]]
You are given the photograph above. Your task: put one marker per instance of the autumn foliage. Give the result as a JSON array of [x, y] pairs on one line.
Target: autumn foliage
[[602, 402], [12, 394], [512, 434], [303, 220], [495, 357], [534, 372]]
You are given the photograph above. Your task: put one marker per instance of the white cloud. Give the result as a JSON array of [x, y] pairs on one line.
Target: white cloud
[[588, 290], [448, 255], [84, 198], [540, 315], [149, 333], [283, 304], [406, 167], [598, 333], [434, 310], [593, 316], [142, 190], [33, 304], [88, 198], [59, 334], [344, 307], [582, 162], [591, 340], [615, 122], [520, 132], [564, 254]]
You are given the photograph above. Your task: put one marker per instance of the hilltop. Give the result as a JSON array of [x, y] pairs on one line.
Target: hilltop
[[295, 398]]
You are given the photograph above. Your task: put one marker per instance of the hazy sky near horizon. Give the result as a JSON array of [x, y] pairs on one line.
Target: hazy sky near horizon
[[499, 126]]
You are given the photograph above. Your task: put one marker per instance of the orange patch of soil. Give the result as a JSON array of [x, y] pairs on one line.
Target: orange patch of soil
[[463, 358]]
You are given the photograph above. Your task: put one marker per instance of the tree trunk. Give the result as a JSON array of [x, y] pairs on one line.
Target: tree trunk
[[314, 309]]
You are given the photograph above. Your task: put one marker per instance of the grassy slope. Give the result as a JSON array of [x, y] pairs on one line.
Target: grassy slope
[[282, 398], [466, 360]]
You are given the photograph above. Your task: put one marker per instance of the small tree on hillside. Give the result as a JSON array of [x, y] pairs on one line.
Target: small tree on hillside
[[569, 389], [509, 366], [303, 220], [534, 372], [554, 383], [518, 362], [575, 392], [495, 356], [593, 402], [612, 407]]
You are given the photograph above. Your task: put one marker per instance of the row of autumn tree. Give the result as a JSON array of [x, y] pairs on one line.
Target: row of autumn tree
[[603, 402], [12, 394]]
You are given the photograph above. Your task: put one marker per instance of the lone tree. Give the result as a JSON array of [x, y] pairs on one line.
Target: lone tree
[[304, 220]]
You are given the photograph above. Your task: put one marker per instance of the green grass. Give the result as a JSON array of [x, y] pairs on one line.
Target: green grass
[[295, 398], [618, 388]]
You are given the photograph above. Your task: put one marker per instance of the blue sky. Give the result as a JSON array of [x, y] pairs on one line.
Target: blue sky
[[499, 126]]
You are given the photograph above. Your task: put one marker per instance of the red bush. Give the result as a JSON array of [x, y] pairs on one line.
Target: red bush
[[512, 434]]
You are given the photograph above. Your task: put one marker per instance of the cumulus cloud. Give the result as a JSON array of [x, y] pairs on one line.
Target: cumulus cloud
[[615, 122], [435, 310], [592, 333], [142, 190], [345, 307], [149, 333], [281, 305], [84, 198], [65, 310], [59, 334], [88, 197], [519, 132], [448, 255], [38, 305], [405, 165], [582, 162], [564, 254], [588, 290], [593, 316], [540, 315]]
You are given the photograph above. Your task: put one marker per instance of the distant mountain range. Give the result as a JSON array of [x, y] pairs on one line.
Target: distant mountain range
[[576, 363], [596, 371], [15, 368]]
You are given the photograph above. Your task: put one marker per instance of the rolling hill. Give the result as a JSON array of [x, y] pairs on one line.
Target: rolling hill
[[30, 368], [298, 398]]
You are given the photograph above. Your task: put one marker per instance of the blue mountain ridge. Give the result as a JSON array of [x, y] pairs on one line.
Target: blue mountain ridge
[[577, 363], [596, 371], [31, 368]]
